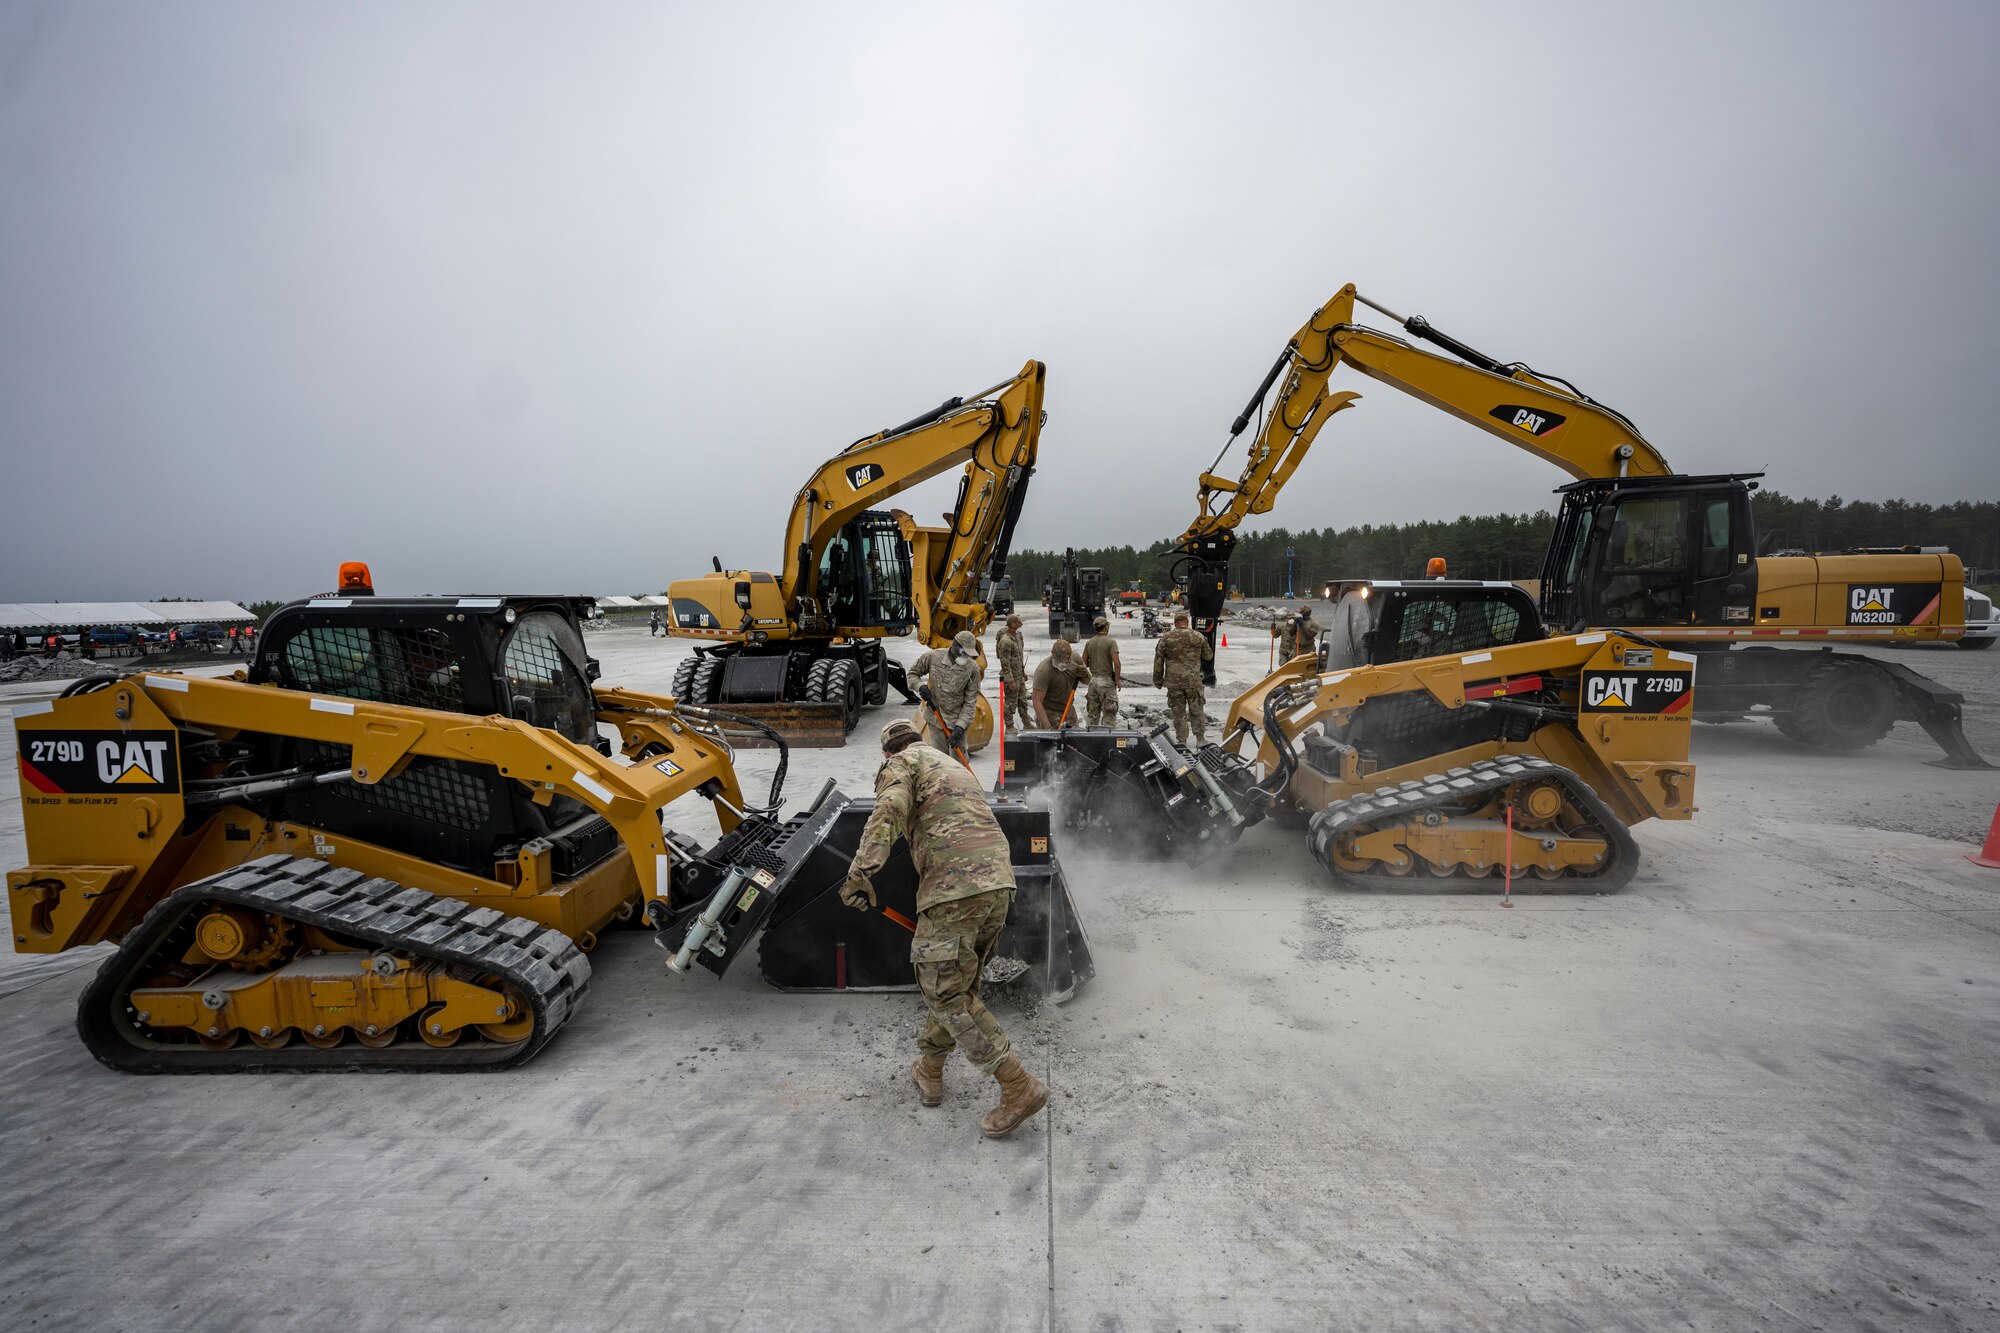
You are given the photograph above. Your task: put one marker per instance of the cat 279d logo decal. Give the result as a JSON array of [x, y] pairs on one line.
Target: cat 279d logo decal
[[1529, 419], [1637, 691], [1892, 603], [85, 763], [864, 474]]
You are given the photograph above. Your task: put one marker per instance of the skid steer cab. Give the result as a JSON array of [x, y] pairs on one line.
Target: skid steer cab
[[391, 843]]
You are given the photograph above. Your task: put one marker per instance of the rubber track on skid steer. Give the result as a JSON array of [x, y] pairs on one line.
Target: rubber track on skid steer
[[1450, 789], [542, 965]]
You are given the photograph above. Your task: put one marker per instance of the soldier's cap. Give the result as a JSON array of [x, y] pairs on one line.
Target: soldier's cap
[[965, 641], [902, 728], [1101, 623]]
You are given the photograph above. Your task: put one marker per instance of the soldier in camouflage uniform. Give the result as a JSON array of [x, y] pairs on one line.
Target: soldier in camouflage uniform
[[1055, 682], [1286, 632], [965, 884], [1013, 653], [1100, 656], [1177, 660], [951, 698], [1305, 632]]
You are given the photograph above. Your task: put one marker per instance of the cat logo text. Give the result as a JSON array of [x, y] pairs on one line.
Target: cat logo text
[[1637, 692], [1532, 420], [74, 763]]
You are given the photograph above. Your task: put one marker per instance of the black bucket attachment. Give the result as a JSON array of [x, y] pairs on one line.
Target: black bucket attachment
[[1135, 793], [1939, 711], [783, 879]]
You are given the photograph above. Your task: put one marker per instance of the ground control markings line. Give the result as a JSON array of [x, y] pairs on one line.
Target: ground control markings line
[[1049, 1176]]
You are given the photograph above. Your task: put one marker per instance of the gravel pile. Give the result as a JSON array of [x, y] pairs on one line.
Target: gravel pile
[[63, 666]]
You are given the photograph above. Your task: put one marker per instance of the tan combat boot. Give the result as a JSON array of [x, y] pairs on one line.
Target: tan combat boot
[[927, 1072], [1021, 1095]]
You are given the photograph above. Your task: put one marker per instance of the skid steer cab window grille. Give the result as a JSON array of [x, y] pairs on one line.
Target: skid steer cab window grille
[[412, 667], [1432, 628], [439, 791], [544, 662]]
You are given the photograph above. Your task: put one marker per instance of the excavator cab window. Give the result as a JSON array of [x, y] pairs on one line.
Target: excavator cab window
[[865, 575], [1715, 543], [1646, 559]]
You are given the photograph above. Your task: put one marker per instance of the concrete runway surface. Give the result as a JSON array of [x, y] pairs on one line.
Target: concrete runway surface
[[1760, 1088]]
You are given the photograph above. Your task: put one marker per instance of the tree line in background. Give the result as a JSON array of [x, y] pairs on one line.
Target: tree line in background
[[1509, 546]]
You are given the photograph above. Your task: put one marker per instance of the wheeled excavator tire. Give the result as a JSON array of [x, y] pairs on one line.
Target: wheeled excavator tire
[[843, 686], [373, 925], [1976, 644], [684, 680], [1840, 705], [1478, 794], [705, 686]]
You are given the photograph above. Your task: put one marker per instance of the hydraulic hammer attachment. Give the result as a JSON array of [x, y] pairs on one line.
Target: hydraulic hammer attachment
[[780, 880]]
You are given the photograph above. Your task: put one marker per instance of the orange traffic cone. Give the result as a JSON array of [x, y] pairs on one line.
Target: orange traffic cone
[[1225, 641], [1989, 855]]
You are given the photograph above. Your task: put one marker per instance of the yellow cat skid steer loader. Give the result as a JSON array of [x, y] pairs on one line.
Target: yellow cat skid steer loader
[[1538, 754], [393, 840]]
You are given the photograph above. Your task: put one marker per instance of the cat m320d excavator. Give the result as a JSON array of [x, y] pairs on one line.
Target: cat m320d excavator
[[1673, 557], [390, 843], [801, 649]]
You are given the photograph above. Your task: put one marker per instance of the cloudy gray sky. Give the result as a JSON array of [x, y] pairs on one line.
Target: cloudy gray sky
[[569, 296]]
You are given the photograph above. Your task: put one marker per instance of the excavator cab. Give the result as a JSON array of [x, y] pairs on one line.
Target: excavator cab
[[865, 575], [1652, 551]]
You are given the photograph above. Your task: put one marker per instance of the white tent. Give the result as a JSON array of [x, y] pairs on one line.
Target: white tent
[[34, 615], [619, 603], [186, 613]]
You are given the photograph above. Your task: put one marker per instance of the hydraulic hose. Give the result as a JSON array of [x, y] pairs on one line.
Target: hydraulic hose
[[1274, 731], [704, 713]]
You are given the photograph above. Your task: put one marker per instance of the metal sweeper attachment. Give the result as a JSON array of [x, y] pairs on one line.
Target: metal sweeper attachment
[[780, 880]]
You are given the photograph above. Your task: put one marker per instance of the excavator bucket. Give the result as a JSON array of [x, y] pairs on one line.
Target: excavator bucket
[[778, 881]]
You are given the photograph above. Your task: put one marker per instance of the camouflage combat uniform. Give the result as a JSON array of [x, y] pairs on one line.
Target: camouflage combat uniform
[[1177, 660], [1286, 632], [1056, 680], [1013, 678], [965, 884], [1305, 633], [954, 692], [1100, 658]]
